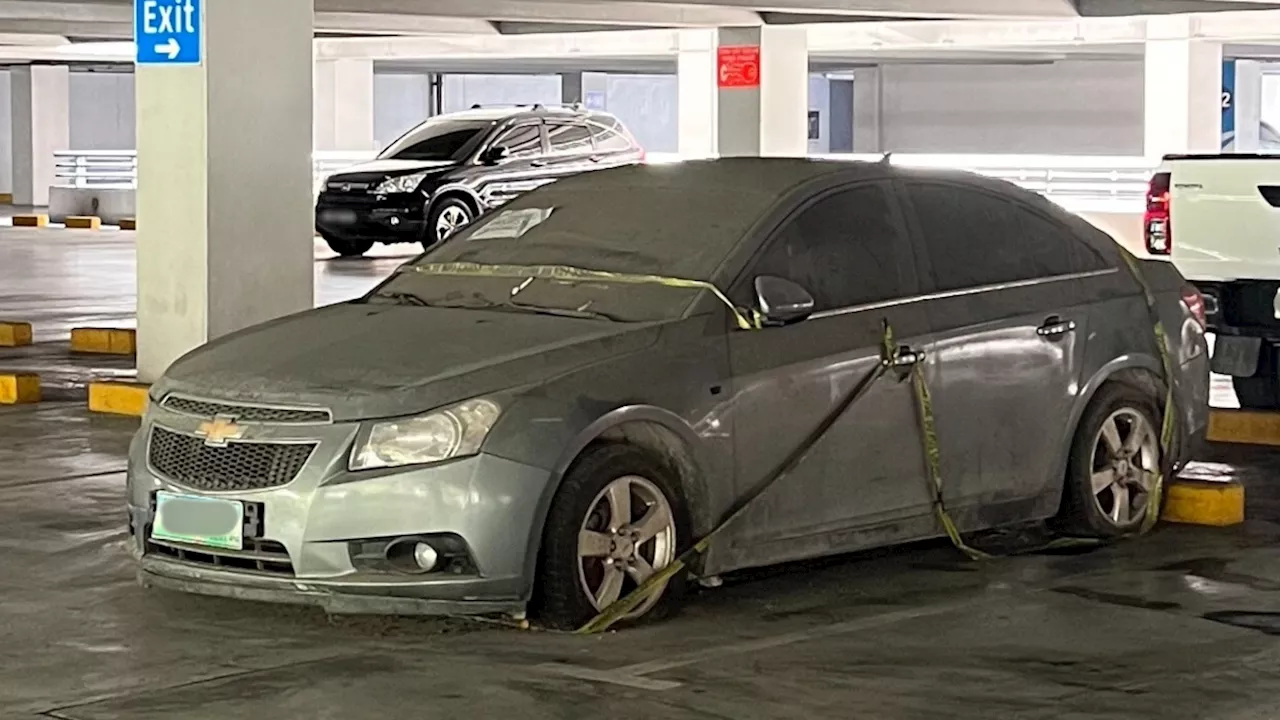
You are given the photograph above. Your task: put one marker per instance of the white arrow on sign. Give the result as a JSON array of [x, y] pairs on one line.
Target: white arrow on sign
[[171, 48]]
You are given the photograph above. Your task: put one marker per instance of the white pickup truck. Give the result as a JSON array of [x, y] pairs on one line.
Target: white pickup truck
[[1217, 217]]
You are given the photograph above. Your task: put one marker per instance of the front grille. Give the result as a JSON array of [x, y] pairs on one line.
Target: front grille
[[246, 413], [238, 466], [264, 556]]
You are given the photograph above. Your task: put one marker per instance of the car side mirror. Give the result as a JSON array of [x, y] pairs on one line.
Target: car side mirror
[[781, 301], [497, 154]]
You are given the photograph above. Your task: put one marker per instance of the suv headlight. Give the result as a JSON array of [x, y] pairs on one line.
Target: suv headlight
[[455, 431], [402, 184]]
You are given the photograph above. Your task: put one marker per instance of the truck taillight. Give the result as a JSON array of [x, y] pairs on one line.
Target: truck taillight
[[1157, 224], [1195, 303]]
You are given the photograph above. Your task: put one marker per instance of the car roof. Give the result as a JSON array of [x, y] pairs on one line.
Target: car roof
[[503, 112]]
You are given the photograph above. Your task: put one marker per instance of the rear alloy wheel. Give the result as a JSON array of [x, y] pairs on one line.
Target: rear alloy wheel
[[617, 519], [1115, 464], [446, 217], [348, 248]]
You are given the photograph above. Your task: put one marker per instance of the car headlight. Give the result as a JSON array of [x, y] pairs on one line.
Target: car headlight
[[455, 431], [402, 184]]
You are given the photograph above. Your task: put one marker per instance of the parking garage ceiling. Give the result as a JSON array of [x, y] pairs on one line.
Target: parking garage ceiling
[[112, 19]]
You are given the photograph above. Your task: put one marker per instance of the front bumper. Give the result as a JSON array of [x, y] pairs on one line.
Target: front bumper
[[387, 219], [327, 515]]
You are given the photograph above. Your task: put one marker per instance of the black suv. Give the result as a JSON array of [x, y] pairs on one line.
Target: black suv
[[444, 173]]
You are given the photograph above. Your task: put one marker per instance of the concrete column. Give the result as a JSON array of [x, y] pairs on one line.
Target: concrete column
[[344, 105], [772, 118], [868, 110], [1183, 88], [696, 94], [225, 226], [40, 102]]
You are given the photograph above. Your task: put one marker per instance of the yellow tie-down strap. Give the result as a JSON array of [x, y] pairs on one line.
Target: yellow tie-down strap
[[577, 274]]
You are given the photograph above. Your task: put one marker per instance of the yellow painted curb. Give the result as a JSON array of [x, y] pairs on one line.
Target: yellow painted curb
[[128, 224], [19, 389], [1244, 426], [84, 222], [30, 220], [104, 341], [6, 198], [118, 398], [1197, 502], [15, 334]]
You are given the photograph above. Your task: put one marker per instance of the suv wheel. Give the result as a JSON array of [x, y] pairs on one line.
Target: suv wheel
[[347, 248], [446, 217], [1114, 464], [1262, 391], [617, 518]]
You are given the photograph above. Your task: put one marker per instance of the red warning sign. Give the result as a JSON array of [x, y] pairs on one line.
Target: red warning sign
[[738, 66]]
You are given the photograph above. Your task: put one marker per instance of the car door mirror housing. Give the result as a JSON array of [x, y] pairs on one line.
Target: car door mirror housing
[[781, 301], [496, 154]]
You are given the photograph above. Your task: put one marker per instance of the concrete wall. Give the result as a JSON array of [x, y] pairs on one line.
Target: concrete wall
[[102, 111], [1070, 107], [6, 134], [646, 104]]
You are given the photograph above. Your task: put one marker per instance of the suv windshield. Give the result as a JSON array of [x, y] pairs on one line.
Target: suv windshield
[[438, 139]]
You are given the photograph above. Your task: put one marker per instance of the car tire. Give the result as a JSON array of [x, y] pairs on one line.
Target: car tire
[[1262, 391], [347, 248], [450, 211], [1090, 506], [584, 503]]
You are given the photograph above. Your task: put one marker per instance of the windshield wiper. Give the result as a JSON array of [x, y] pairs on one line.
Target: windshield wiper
[[402, 298], [479, 303]]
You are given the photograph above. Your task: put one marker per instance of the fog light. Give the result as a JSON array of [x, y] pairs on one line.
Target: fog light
[[425, 556], [394, 221]]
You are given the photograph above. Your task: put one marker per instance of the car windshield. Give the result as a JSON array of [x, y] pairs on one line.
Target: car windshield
[[611, 226], [438, 139]]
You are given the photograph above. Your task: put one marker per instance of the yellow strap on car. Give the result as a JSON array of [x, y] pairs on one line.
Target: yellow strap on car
[[576, 274]]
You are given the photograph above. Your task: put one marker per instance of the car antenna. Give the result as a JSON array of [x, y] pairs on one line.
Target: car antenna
[[886, 158]]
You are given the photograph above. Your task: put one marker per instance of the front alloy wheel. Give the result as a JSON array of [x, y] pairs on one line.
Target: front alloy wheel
[[628, 534], [618, 517], [447, 217]]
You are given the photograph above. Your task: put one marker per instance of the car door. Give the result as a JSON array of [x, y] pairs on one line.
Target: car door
[[522, 170], [569, 148], [850, 250], [1009, 313]]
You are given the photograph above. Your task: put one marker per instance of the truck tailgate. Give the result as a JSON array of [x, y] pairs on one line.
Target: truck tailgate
[[1225, 217]]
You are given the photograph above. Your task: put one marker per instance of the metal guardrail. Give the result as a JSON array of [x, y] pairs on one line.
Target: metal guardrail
[[1081, 183]]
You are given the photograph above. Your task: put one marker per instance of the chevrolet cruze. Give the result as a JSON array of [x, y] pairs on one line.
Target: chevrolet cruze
[[551, 406]]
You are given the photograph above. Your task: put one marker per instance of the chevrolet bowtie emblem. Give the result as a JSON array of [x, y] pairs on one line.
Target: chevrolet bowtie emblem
[[218, 431]]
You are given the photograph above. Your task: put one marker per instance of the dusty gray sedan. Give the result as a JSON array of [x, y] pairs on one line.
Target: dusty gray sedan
[[551, 406]]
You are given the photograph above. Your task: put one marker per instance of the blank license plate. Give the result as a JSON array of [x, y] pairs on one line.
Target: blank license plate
[[338, 217], [194, 520], [1236, 356]]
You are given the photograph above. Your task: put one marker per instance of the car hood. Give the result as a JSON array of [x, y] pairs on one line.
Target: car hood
[[391, 168], [370, 361]]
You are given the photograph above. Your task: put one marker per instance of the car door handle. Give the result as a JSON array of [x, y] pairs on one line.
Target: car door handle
[[906, 357], [595, 158], [539, 163], [1055, 327]]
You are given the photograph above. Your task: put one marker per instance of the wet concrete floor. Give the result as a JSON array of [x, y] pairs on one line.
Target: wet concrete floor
[[1181, 624]]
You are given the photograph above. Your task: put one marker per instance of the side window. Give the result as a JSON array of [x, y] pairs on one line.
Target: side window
[[975, 238], [609, 139], [844, 249], [569, 138], [1044, 237], [523, 141]]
